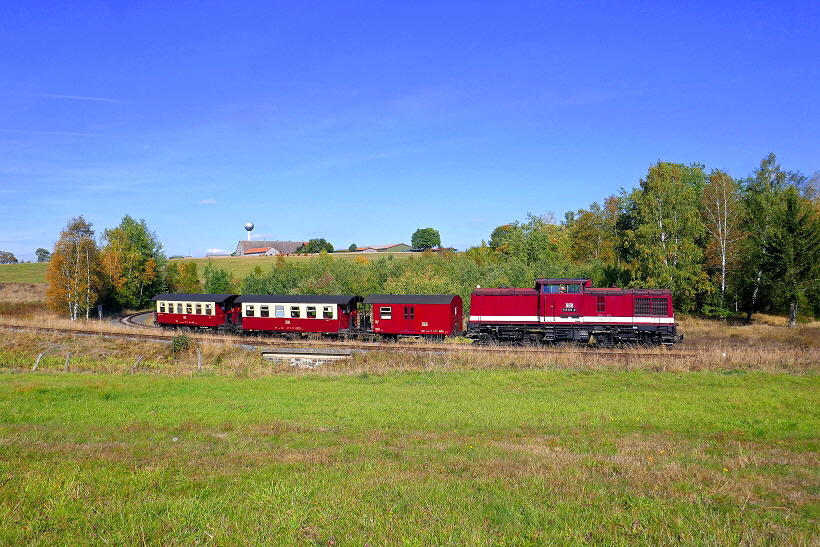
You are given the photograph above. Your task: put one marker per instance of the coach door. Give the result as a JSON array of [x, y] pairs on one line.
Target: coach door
[[409, 317]]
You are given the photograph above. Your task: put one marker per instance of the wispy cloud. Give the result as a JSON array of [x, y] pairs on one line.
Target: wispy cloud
[[477, 220], [50, 133], [81, 98], [209, 201], [217, 251]]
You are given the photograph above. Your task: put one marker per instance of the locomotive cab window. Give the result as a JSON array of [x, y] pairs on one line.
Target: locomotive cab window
[[295, 312], [550, 289], [311, 312], [279, 310], [385, 312], [327, 312], [248, 311], [574, 288], [264, 311]]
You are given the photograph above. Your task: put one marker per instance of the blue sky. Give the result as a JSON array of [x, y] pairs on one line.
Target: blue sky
[[362, 121]]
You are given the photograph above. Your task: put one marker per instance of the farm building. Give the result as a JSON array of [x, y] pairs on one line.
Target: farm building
[[267, 248], [391, 248]]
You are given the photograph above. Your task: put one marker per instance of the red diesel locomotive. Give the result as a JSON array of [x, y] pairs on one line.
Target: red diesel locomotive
[[555, 310], [571, 309]]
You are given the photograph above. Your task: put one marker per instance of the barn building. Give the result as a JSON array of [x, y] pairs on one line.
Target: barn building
[[267, 248]]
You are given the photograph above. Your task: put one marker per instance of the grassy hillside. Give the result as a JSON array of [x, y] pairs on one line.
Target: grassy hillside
[[240, 266], [33, 272]]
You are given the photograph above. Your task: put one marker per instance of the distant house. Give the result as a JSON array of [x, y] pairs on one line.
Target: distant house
[[267, 248], [391, 248]]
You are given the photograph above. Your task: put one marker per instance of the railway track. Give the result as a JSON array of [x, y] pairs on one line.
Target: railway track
[[331, 348]]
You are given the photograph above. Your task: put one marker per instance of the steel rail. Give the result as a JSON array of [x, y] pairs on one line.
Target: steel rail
[[318, 343]]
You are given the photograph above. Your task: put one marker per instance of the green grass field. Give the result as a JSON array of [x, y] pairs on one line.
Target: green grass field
[[30, 272], [472, 457], [241, 266], [35, 272]]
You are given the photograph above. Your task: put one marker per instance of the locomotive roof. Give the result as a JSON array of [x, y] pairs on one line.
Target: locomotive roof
[[587, 282], [410, 298], [180, 297], [503, 291], [341, 299]]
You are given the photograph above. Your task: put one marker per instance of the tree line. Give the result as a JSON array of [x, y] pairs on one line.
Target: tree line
[[724, 246]]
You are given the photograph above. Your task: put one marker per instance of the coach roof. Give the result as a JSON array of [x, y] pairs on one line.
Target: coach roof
[[341, 299], [179, 297], [410, 298]]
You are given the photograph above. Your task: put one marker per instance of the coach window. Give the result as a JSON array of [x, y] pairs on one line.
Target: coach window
[[161, 307], [386, 312], [199, 309], [179, 307], [208, 309], [249, 311], [264, 311], [295, 312], [279, 311], [189, 308], [327, 312], [311, 312]]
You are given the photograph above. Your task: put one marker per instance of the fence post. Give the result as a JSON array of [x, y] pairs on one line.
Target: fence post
[[38, 362], [67, 359], [134, 368], [198, 359]]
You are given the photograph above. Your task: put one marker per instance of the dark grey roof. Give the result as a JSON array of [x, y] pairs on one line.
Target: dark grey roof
[[343, 299], [180, 297], [411, 298]]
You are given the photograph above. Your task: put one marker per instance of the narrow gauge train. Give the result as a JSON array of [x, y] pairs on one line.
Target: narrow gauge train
[[427, 315], [555, 310]]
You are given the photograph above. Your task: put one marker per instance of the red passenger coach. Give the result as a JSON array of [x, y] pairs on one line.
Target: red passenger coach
[[435, 315], [571, 309], [299, 313], [196, 311]]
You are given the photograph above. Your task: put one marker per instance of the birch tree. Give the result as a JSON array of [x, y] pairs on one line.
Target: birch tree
[[722, 212], [663, 238], [75, 272]]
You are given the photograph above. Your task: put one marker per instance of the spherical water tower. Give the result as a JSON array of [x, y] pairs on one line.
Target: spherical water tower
[[249, 227]]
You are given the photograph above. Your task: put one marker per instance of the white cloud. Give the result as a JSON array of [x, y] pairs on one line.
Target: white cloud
[[217, 251], [209, 201], [477, 220], [81, 98]]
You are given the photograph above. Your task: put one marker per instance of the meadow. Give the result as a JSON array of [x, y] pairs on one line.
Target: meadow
[[414, 449], [27, 272]]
